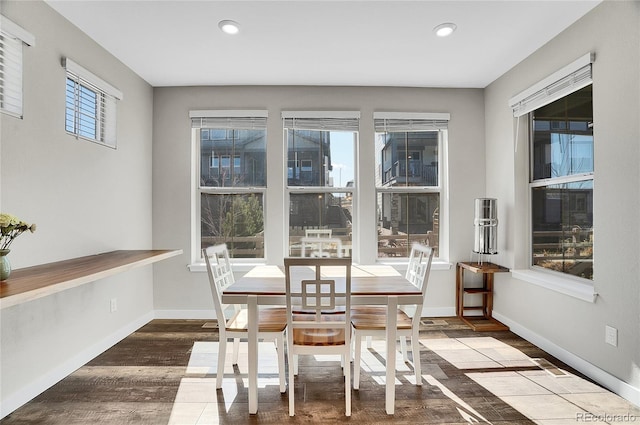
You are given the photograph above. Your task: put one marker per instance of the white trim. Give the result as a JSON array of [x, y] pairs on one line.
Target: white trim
[[9, 27], [523, 103], [439, 116], [90, 77], [46, 381], [602, 377], [200, 267], [584, 291], [186, 314], [438, 311], [321, 114], [225, 113]]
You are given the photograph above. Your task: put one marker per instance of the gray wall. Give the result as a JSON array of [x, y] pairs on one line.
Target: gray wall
[[181, 292], [85, 199], [612, 31]]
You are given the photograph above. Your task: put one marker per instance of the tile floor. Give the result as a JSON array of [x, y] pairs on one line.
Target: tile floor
[[165, 374]]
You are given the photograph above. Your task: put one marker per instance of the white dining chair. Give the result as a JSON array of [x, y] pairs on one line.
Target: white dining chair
[[320, 329], [321, 247], [272, 322], [370, 321]]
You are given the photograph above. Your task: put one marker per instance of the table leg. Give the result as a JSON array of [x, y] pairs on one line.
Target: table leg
[[489, 286], [459, 291], [392, 323], [252, 313]]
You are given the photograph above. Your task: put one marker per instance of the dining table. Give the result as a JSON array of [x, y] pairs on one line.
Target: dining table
[[264, 285]]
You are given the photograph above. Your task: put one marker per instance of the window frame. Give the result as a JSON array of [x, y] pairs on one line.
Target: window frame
[[198, 189], [437, 122], [105, 114], [19, 37], [547, 182], [570, 78], [297, 164]]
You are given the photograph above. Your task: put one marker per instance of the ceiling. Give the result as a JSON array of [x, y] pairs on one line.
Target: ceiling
[[322, 42]]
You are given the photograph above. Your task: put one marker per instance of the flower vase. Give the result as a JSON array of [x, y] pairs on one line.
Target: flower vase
[[5, 265]]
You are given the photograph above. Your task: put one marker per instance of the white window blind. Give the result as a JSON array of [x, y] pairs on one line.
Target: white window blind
[[90, 105], [322, 120], [229, 119], [565, 81], [407, 121], [12, 37]]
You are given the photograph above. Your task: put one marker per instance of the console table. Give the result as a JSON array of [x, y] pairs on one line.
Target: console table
[[30, 283], [483, 322]]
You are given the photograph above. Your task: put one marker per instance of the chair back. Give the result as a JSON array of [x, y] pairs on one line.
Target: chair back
[[220, 277], [323, 247], [419, 266], [324, 299]]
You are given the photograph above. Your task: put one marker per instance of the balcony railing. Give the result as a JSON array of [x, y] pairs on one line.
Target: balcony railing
[[411, 172]]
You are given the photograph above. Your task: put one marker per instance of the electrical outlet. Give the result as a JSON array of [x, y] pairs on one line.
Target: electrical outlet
[[611, 336], [113, 306]]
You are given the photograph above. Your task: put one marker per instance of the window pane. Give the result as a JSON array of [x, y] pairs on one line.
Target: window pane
[[237, 220], [82, 111], [232, 158], [563, 137], [407, 158], [320, 158], [404, 218], [562, 221], [309, 211]]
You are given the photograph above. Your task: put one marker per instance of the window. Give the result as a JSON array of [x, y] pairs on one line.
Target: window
[[90, 106], [231, 147], [561, 172], [408, 180], [320, 174], [12, 38]]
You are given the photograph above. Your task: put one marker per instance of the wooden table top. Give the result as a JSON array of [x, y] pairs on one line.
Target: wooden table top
[[482, 267], [36, 281], [270, 280]]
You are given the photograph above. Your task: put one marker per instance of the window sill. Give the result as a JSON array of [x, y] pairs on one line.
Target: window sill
[[582, 291], [237, 267], [245, 267]]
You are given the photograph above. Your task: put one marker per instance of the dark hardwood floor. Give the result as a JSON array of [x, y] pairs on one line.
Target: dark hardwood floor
[[164, 373]]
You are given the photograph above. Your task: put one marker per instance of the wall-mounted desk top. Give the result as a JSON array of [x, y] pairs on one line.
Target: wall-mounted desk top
[[34, 282]]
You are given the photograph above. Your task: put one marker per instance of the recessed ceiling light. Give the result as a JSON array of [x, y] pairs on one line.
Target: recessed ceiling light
[[444, 30], [229, 27]]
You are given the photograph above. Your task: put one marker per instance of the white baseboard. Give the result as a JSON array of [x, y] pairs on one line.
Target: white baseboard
[[438, 311], [211, 315], [605, 379], [186, 314], [30, 391]]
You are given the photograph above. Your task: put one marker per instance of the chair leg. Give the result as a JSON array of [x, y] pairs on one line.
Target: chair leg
[[291, 358], [347, 389], [236, 348], [415, 352], [222, 353], [403, 348], [295, 364], [369, 338], [356, 361], [280, 349]]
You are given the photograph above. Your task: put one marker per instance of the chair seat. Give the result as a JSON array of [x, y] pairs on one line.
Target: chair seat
[[319, 336], [269, 320], [375, 318]]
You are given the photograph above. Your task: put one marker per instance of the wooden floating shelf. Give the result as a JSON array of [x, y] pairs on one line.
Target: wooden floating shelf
[[31, 283]]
